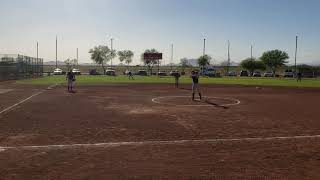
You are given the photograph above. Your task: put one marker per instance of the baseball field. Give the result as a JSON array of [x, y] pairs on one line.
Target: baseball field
[[116, 128]]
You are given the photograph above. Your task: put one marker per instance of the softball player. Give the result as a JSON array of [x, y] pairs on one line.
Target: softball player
[[195, 84]]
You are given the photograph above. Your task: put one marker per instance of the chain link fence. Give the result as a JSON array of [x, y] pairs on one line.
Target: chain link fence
[[15, 66]]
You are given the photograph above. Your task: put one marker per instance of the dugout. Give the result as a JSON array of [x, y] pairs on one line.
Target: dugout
[[15, 66]]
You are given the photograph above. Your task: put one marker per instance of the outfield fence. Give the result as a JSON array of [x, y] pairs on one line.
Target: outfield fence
[[15, 66]]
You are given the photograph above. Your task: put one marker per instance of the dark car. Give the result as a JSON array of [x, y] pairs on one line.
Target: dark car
[[94, 72], [244, 73], [174, 73], [142, 73], [212, 73]]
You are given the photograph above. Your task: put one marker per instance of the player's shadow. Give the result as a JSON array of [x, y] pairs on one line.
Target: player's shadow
[[214, 104], [184, 88]]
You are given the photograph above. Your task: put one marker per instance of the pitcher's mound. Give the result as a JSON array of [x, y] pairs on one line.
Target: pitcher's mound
[[187, 101]]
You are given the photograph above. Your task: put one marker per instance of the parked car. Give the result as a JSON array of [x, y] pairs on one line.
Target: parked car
[[244, 73], [142, 73], [94, 72], [57, 71], [288, 73], [162, 73], [256, 74], [231, 73], [110, 72], [268, 74], [174, 73], [211, 72], [76, 71]]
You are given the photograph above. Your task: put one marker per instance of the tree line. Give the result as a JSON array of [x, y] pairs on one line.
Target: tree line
[[272, 59]]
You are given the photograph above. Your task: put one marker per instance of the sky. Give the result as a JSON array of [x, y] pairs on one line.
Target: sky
[[143, 24]]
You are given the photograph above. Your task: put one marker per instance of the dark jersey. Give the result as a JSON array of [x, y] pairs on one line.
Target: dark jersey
[[299, 75], [177, 75], [70, 75], [195, 79]]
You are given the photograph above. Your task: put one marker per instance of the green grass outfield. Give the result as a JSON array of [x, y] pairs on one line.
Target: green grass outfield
[[86, 79]]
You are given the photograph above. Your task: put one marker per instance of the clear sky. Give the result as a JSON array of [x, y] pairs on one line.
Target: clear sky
[[141, 24]]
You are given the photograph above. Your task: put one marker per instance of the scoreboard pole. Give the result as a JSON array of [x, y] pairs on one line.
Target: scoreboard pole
[[158, 66]]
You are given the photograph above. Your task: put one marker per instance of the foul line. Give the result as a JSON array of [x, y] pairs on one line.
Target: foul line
[[17, 104], [141, 143]]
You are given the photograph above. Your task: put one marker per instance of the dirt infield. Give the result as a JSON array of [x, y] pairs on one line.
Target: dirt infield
[[157, 131]]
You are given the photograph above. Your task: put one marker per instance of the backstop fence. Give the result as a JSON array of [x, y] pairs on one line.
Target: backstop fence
[[15, 66]]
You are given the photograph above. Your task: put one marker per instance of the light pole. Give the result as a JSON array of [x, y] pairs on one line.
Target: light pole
[[77, 59], [204, 47], [38, 59], [228, 56], [56, 52], [295, 57], [111, 50], [251, 52], [171, 56]]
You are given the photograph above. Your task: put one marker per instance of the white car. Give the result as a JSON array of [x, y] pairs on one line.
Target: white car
[[57, 71], [288, 73], [110, 72], [268, 74], [76, 71]]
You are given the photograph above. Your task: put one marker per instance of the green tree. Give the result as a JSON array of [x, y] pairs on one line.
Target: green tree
[[203, 61], [70, 63], [184, 64], [102, 55], [150, 63], [252, 64], [126, 56], [274, 59]]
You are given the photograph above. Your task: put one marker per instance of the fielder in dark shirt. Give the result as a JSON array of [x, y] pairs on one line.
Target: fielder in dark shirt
[[195, 84], [299, 77], [70, 78], [177, 77], [130, 75]]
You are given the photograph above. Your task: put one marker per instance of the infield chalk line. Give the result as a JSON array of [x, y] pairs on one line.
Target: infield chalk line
[[24, 100], [141, 143], [17, 104], [237, 102]]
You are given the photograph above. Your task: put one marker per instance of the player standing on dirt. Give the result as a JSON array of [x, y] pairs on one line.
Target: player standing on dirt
[[176, 78], [299, 77], [195, 84], [130, 75], [70, 78]]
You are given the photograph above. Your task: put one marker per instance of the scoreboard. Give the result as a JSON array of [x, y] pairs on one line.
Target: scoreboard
[[152, 56]]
